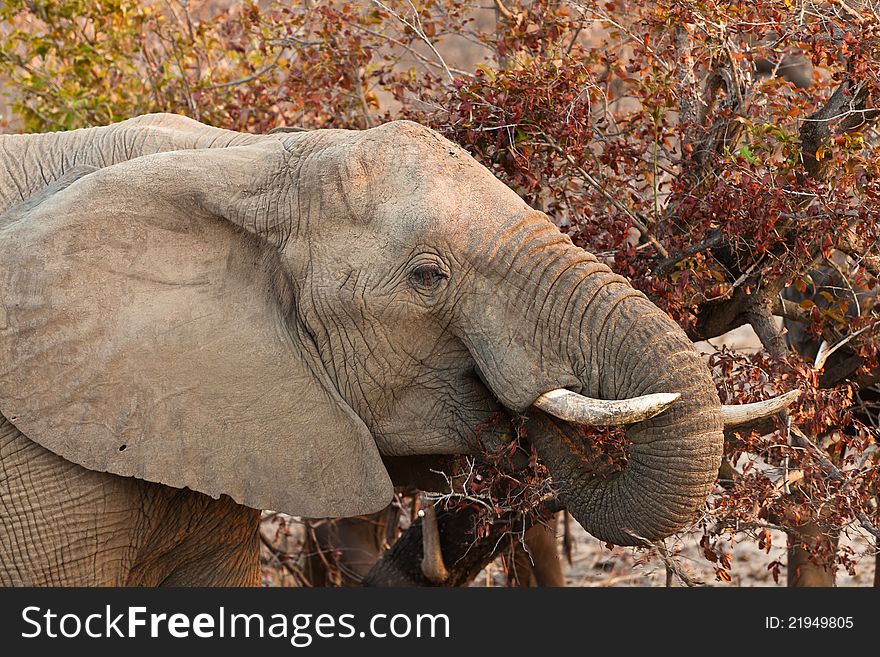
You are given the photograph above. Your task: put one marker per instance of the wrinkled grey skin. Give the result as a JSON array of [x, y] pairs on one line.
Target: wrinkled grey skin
[[410, 295]]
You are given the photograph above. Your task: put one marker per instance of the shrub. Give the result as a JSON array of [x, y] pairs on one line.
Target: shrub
[[718, 154]]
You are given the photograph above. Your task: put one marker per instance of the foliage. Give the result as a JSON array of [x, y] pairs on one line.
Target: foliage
[[716, 153]]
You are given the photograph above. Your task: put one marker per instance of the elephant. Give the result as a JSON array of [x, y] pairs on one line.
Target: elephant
[[196, 324]]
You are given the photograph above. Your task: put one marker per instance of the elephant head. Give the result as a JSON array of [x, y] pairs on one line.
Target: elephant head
[[268, 320]]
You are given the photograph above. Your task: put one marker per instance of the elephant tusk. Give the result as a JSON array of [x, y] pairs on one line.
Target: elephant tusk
[[433, 567], [577, 409], [735, 416]]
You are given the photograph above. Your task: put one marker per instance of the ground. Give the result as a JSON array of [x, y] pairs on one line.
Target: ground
[[594, 564]]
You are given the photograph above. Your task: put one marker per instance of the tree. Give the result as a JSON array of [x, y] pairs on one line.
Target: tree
[[721, 155]]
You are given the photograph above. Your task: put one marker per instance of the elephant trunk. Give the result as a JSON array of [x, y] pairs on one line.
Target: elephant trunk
[[590, 331], [634, 349]]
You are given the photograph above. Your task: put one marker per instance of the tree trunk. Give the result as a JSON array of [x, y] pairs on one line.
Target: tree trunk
[[802, 570]]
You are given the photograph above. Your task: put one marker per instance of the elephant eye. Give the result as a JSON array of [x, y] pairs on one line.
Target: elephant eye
[[427, 276]]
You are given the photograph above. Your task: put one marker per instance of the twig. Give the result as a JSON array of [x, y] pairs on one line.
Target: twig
[[665, 266], [361, 96], [738, 525], [672, 567], [253, 76], [800, 439], [866, 455], [611, 581], [284, 560], [419, 33], [847, 107], [504, 11], [781, 486], [415, 53], [595, 184]]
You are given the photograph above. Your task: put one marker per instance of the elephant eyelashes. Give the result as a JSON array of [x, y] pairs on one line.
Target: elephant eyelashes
[[427, 277]]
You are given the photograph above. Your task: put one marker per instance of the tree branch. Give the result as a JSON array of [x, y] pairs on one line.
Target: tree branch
[[673, 568], [791, 311], [665, 266], [250, 78], [800, 439], [504, 11], [760, 317], [637, 223], [419, 33], [844, 112]]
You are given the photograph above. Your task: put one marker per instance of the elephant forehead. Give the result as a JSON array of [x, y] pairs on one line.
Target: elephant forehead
[[407, 159], [444, 201], [405, 180]]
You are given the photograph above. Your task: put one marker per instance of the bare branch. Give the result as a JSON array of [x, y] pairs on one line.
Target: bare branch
[[415, 53], [250, 78], [637, 223], [284, 560], [504, 11], [673, 568], [665, 266], [419, 33], [800, 439], [791, 311]]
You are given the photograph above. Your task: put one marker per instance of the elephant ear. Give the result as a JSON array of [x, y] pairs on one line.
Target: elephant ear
[[144, 331]]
